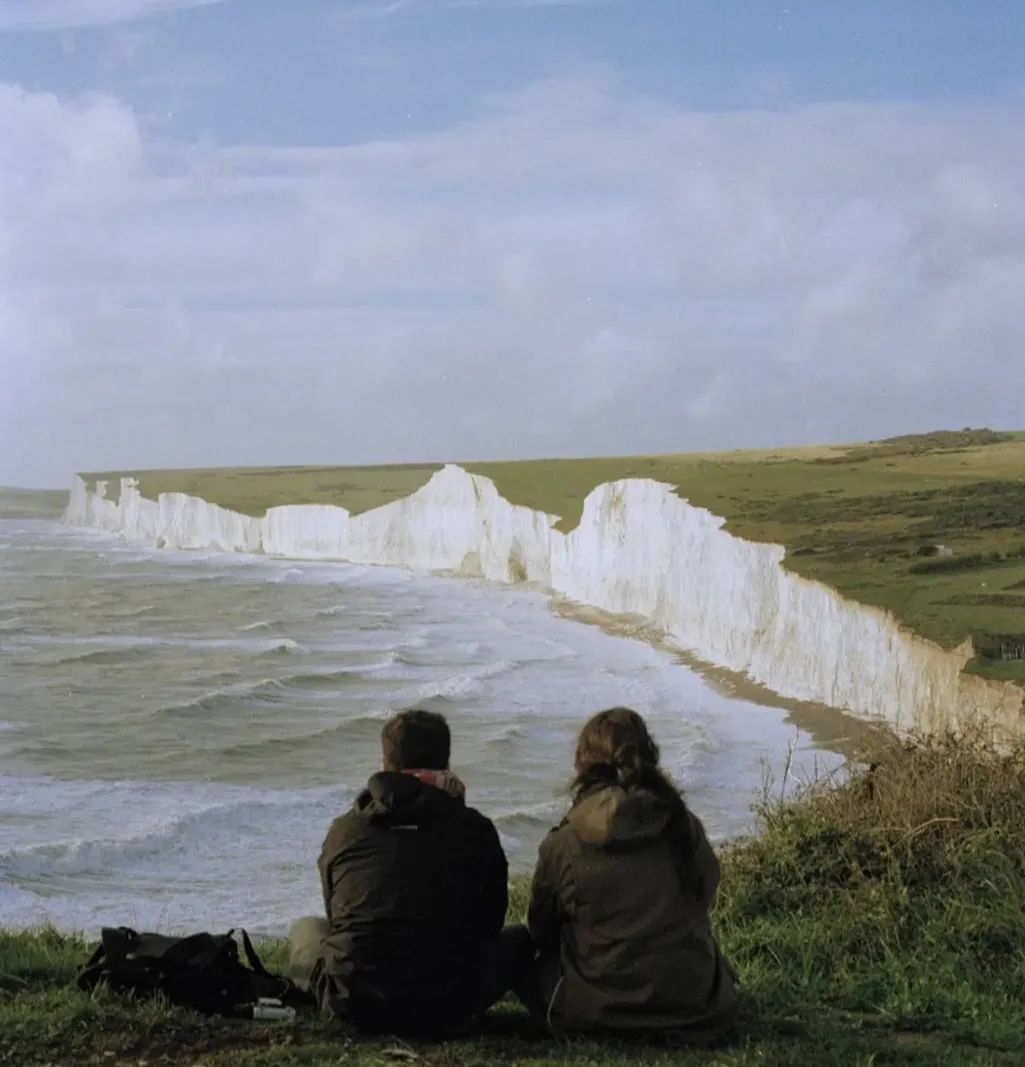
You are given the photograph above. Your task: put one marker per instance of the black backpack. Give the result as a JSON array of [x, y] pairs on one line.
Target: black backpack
[[202, 971]]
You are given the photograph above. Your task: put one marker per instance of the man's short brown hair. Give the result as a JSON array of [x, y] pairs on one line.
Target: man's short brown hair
[[416, 739]]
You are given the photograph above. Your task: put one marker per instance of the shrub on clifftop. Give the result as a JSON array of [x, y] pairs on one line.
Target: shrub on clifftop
[[899, 894]]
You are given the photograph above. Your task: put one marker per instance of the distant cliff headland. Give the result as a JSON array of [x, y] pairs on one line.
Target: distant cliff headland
[[885, 578]]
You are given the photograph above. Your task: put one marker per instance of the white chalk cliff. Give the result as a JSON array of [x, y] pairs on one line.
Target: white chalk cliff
[[638, 549]]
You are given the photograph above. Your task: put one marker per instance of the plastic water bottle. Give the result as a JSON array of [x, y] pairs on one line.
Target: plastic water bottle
[[270, 1010]]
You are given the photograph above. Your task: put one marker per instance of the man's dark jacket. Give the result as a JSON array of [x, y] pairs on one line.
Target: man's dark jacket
[[415, 886]]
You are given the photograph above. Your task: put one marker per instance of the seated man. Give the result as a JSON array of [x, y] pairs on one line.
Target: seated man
[[415, 887]]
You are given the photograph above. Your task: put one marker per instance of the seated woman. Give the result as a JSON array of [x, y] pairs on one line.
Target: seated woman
[[620, 900]]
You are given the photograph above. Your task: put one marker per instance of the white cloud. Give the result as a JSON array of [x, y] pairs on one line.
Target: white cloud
[[71, 14], [576, 270], [499, 4], [363, 9]]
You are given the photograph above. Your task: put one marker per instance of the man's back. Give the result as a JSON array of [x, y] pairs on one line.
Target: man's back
[[415, 885]]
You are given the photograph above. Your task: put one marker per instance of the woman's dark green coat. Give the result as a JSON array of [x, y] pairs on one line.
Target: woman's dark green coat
[[621, 897]]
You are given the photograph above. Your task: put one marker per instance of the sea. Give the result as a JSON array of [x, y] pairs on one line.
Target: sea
[[178, 729]]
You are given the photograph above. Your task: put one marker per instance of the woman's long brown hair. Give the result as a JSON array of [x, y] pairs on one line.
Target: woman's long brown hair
[[616, 749]]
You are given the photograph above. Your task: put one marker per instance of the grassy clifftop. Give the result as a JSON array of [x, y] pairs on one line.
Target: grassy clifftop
[[865, 519], [877, 922], [31, 503]]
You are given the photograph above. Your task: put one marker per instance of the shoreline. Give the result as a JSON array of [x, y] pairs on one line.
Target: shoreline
[[831, 729]]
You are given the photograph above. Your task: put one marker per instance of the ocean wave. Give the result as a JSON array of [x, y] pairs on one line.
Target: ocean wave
[[285, 574], [264, 691], [79, 857], [262, 624], [275, 690], [468, 683], [285, 646], [114, 651], [336, 677], [410, 642], [362, 727], [120, 654], [134, 613], [519, 822], [197, 830], [358, 617], [528, 825], [508, 735]]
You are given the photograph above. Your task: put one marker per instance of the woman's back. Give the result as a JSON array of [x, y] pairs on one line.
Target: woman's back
[[622, 893]]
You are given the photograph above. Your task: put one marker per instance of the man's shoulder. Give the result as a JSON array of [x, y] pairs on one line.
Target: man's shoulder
[[476, 818], [467, 828], [457, 813], [343, 828]]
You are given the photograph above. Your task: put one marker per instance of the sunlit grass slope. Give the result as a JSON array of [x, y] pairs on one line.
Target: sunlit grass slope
[[861, 518], [877, 922]]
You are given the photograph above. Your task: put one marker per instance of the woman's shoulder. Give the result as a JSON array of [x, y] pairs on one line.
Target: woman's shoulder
[[558, 841]]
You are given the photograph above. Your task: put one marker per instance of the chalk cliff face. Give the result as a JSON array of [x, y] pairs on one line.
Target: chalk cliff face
[[639, 549]]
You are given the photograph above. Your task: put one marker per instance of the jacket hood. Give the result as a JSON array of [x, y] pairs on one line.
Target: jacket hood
[[392, 795], [613, 815]]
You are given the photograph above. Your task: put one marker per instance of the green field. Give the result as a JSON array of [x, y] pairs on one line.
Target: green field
[[875, 922], [32, 503], [860, 518]]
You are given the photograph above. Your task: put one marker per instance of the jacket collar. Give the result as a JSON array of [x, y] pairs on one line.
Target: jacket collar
[[392, 794]]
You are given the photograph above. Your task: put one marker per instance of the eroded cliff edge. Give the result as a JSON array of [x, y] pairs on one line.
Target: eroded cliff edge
[[638, 549]]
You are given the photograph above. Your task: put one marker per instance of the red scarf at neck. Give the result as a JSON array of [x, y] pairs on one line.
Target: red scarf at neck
[[446, 781]]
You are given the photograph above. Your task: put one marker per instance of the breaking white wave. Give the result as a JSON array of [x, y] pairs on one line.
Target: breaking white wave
[[174, 846], [262, 624], [285, 645], [470, 682]]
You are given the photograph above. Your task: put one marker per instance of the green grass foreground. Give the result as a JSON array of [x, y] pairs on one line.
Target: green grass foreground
[[879, 921], [856, 517]]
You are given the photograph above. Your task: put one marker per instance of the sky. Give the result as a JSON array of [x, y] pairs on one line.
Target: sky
[[241, 232]]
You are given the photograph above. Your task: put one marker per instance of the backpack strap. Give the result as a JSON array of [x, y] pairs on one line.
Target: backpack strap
[[276, 986], [254, 960], [90, 973]]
